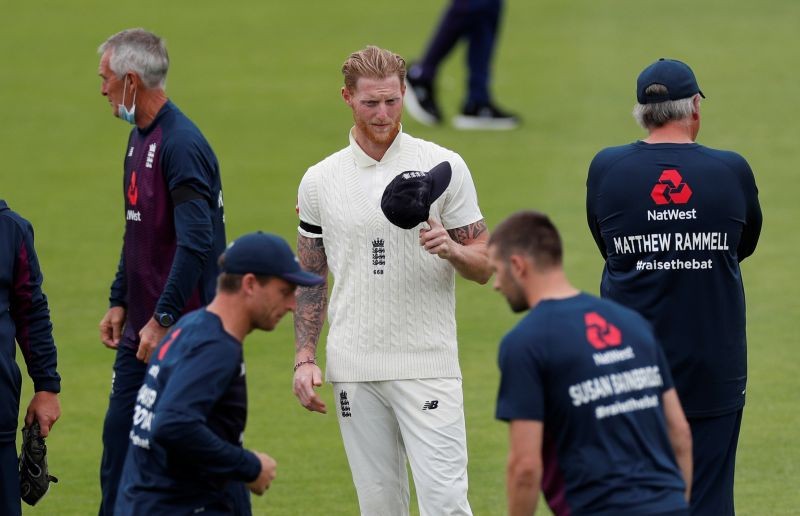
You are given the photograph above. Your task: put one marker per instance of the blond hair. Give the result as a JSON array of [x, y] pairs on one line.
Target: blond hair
[[374, 63]]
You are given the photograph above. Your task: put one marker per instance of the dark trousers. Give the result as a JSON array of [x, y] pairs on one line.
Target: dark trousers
[[128, 377], [9, 480], [477, 21], [714, 441]]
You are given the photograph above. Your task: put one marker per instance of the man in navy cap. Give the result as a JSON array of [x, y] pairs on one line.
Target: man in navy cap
[[673, 219], [186, 454]]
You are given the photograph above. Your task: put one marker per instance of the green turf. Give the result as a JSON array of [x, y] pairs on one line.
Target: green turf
[[261, 79]]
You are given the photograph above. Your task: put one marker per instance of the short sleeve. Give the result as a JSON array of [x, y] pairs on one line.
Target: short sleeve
[[521, 394], [663, 368], [460, 206], [308, 206], [592, 193]]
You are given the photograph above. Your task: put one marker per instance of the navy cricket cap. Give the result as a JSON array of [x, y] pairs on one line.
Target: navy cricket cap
[[407, 199], [675, 75], [264, 254]]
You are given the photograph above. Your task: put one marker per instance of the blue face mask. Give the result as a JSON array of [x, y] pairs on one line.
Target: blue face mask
[[123, 113]]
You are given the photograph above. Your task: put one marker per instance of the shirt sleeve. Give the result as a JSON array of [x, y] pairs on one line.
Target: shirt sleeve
[[188, 161], [195, 236], [119, 287], [521, 393], [189, 166], [460, 205], [753, 217], [31, 315], [196, 384], [591, 207], [308, 206], [663, 368]]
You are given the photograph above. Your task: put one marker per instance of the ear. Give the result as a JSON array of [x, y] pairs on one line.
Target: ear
[[696, 107], [518, 266], [347, 95], [248, 283], [134, 81]]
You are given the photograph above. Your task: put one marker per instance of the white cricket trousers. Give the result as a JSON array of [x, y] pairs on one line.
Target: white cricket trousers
[[423, 419]]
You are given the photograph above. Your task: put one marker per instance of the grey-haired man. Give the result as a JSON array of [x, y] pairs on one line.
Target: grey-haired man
[[673, 219]]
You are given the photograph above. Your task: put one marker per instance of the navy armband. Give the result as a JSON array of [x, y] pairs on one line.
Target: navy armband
[[183, 194], [310, 228]]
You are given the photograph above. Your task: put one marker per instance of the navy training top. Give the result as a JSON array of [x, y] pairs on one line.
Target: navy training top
[[591, 371], [174, 230], [24, 318], [188, 423], [673, 221]]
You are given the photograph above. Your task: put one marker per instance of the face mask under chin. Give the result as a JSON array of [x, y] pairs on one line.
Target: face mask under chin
[[122, 111]]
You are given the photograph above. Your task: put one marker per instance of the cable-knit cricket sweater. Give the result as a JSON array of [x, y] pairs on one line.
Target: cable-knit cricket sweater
[[392, 309]]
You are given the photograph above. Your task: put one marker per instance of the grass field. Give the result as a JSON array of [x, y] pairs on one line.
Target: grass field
[[262, 81]]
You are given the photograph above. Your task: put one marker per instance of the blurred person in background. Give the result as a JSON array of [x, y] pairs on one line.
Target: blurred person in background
[[478, 22]]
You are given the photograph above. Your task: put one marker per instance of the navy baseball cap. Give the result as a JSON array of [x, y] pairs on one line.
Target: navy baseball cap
[[407, 199], [264, 254], [675, 75]]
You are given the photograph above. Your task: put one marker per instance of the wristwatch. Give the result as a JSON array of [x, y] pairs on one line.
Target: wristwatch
[[165, 319]]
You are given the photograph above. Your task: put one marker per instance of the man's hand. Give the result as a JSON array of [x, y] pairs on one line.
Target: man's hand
[[149, 337], [437, 241], [111, 326], [44, 408], [306, 378], [267, 475]]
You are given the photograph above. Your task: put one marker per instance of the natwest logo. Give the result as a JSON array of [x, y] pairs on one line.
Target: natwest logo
[[134, 215], [671, 189], [133, 190], [600, 333]]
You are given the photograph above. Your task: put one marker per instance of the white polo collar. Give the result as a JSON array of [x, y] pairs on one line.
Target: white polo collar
[[364, 161]]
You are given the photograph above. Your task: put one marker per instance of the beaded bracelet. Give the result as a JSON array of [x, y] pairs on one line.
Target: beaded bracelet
[[307, 361]]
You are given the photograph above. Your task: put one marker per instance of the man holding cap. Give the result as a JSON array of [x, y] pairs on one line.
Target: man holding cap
[[394, 217], [673, 219], [186, 452]]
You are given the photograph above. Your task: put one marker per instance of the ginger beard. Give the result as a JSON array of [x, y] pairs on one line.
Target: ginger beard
[[379, 130]]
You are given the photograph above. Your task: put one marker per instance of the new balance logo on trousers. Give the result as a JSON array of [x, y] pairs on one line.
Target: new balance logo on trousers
[[430, 405]]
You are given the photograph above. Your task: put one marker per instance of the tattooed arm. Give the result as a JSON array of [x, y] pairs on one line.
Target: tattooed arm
[[464, 247], [309, 316]]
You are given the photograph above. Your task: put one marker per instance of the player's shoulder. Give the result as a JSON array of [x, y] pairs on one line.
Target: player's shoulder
[[729, 157], [589, 302], [203, 330], [177, 128], [330, 163], [530, 329], [13, 221], [429, 151], [610, 155]]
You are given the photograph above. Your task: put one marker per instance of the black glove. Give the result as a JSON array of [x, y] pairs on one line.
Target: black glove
[[34, 479]]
